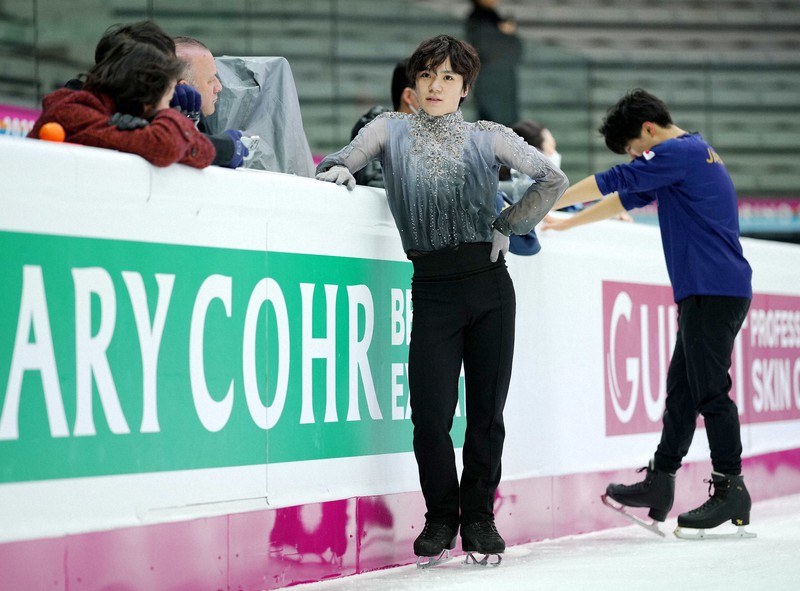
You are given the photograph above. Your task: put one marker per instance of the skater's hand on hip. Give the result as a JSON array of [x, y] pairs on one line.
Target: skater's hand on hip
[[499, 244]]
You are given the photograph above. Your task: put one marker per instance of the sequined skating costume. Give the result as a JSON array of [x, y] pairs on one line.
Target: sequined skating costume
[[441, 176]]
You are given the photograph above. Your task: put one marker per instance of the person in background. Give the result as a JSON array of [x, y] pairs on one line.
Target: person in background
[[143, 31], [698, 216], [196, 97], [187, 100], [404, 100], [124, 102], [512, 182], [540, 137], [441, 176], [201, 71], [500, 49]]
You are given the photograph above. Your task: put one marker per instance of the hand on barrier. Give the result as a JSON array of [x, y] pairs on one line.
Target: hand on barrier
[[499, 244], [187, 100], [240, 151], [125, 122], [339, 175]]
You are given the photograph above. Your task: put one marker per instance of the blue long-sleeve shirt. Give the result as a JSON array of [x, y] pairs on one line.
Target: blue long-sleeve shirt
[[697, 212]]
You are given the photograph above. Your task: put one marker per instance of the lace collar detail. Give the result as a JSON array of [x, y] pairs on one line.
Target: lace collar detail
[[438, 137]]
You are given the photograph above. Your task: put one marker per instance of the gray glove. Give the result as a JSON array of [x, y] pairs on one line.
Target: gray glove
[[499, 244], [339, 175]]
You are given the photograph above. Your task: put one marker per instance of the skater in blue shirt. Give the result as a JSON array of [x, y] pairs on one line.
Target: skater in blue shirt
[[698, 216]]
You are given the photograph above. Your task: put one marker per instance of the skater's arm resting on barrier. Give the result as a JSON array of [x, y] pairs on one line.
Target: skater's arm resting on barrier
[[606, 208], [581, 192]]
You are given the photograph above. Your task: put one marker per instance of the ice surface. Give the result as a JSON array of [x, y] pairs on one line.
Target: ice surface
[[621, 559]]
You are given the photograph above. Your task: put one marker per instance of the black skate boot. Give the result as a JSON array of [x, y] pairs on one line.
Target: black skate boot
[[730, 501], [482, 537], [434, 543], [656, 491]]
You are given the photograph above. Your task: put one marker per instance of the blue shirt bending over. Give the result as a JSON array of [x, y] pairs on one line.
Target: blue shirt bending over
[[697, 211]]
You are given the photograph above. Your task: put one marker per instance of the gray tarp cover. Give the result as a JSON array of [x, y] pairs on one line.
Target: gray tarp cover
[[259, 98]]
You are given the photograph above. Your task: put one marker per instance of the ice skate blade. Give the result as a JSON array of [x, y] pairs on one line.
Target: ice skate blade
[[652, 527], [431, 561], [702, 534], [487, 560]]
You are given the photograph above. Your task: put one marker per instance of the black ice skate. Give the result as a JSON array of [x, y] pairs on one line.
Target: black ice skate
[[482, 537], [655, 492], [433, 545], [730, 502]]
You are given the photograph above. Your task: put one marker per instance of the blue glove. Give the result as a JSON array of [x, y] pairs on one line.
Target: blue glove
[[187, 100], [240, 151], [125, 122]]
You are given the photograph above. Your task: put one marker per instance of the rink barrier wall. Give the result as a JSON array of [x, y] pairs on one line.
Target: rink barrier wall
[[203, 377], [274, 549]]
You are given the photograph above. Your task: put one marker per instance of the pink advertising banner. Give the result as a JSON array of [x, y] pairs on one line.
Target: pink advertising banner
[[639, 332], [16, 121]]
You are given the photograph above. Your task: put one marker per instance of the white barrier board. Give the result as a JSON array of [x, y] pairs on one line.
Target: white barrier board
[[177, 343]]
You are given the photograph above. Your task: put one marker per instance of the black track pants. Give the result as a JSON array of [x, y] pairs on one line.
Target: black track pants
[[461, 314], [698, 383]]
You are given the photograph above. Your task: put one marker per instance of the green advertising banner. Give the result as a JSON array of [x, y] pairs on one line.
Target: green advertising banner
[[123, 357]]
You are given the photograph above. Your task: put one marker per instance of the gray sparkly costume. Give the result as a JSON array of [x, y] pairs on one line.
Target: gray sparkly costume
[[441, 176]]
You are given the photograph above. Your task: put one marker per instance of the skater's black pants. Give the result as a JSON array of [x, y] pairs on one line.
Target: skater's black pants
[[698, 383], [464, 312]]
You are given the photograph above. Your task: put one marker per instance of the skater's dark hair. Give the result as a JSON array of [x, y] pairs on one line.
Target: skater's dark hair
[[135, 74], [623, 121], [400, 82], [144, 31], [432, 53], [531, 131]]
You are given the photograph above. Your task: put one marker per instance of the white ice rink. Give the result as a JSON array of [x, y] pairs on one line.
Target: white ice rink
[[624, 559]]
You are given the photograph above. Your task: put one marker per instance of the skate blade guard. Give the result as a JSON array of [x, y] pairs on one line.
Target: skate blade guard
[[651, 526]]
